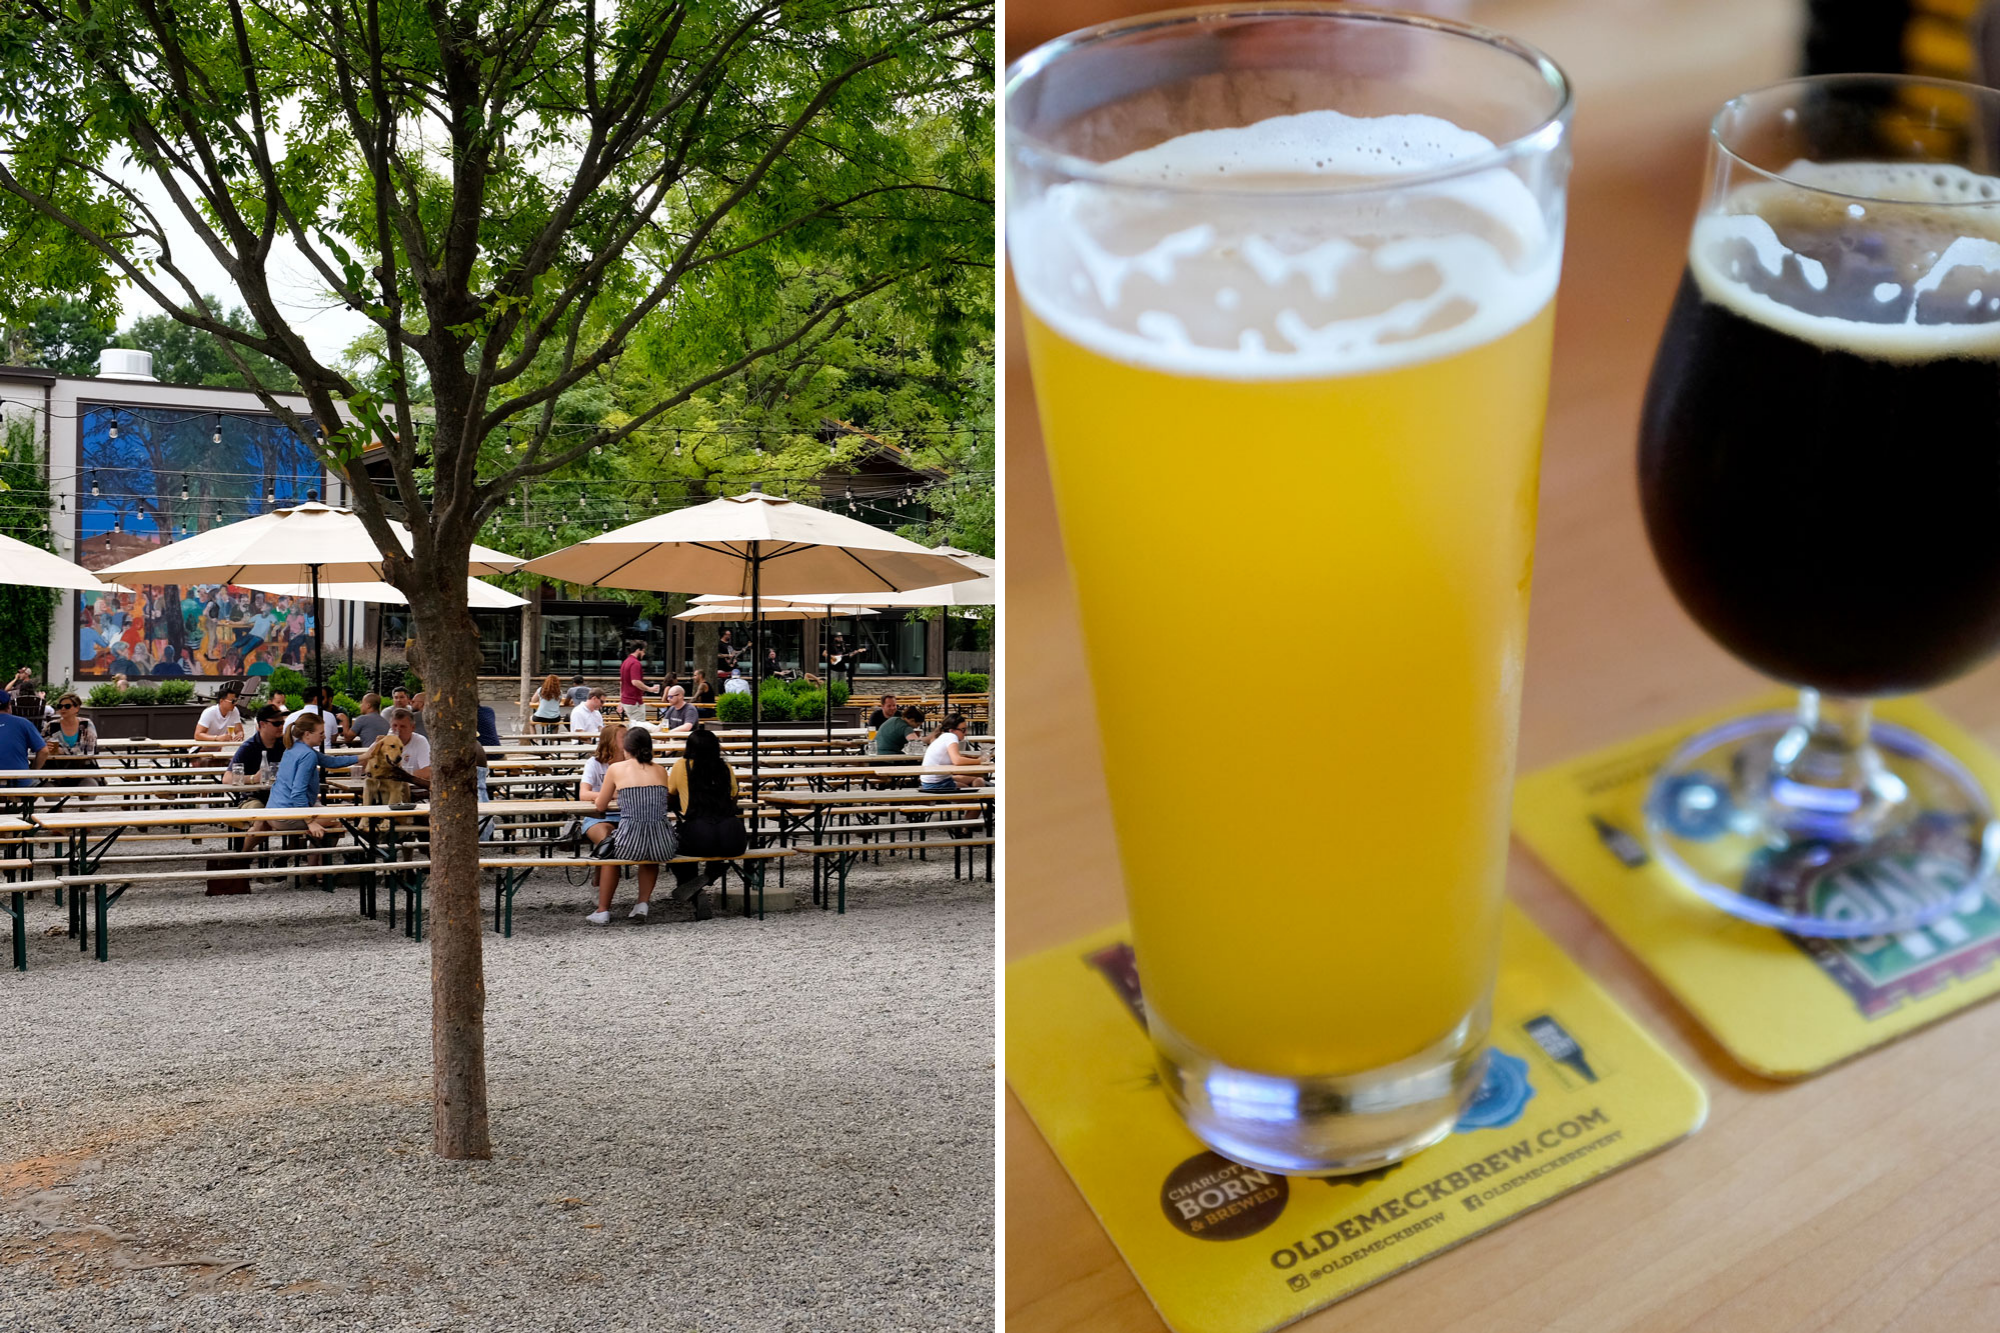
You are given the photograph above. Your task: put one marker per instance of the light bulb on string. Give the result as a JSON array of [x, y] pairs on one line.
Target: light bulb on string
[[184, 486], [118, 524], [93, 483], [677, 444], [216, 438], [270, 493], [184, 529], [111, 432]]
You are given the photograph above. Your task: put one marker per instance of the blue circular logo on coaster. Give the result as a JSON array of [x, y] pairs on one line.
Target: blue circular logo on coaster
[[1694, 806], [1502, 1096]]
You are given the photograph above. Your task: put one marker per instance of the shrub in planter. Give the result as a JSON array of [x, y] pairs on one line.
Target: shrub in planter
[[776, 703], [411, 681], [106, 695], [349, 678], [287, 681], [176, 691], [732, 708], [142, 694], [343, 703], [808, 705], [838, 689], [967, 682]]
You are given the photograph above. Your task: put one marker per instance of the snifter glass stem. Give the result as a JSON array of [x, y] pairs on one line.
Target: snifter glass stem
[[1826, 777]]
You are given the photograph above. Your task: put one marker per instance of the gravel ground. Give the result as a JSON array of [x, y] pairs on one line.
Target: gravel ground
[[716, 1125]]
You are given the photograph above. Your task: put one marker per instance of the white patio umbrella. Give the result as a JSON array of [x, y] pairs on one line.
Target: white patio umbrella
[[982, 591], [307, 544], [482, 596], [30, 566], [756, 545]]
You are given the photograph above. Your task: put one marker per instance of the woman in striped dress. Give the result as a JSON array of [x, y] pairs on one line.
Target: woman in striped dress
[[645, 834]]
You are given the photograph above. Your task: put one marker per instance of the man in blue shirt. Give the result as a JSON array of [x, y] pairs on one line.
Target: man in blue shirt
[[21, 742]]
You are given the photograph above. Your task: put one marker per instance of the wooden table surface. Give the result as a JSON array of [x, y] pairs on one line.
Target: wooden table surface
[[1867, 1198]]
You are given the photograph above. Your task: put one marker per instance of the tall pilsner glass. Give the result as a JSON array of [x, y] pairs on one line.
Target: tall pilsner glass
[[1819, 466], [1289, 278]]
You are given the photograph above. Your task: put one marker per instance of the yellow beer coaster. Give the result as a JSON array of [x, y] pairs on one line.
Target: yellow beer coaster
[[1783, 1005], [1574, 1090]]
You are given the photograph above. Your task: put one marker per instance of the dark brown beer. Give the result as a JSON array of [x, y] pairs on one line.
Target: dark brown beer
[[1819, 459]]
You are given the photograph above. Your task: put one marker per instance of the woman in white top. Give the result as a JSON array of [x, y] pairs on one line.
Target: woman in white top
[[596, 828], [944, 752]]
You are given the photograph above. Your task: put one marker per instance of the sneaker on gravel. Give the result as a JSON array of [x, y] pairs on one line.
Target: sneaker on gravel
[[639, 911], [599, 918]]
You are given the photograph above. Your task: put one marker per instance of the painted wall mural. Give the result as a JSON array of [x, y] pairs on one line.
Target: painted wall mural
[[149, 476]]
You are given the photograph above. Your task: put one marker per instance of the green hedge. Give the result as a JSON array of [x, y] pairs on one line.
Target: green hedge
[[838, 689], [732, 708], [968, 682], [142, 694], [808, 704], [176, 691], [344, 703], [106, 695], [349, 678]]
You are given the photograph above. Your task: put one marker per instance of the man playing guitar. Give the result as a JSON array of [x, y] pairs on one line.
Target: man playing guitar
[[840, 657]]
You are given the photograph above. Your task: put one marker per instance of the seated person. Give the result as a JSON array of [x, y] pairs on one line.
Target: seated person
[[882, 714], [596, 828], [319, 703], [736, 684], [371, 724], [944, 752], [416, 767], [72, 738], [218, 719], [489, 727], [21, 743], [679, 714], [297, 785], [893, 735], [587, 718], [266, 745]]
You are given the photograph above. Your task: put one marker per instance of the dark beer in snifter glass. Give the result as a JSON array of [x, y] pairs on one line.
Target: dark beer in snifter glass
[[1819, 467]]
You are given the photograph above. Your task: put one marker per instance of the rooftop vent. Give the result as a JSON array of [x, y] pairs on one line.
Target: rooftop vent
[[122, 363]]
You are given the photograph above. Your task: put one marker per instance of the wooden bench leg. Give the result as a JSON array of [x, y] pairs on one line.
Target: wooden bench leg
[[17, 909]]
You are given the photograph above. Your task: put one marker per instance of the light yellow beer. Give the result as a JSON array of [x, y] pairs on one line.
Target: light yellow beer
[[1303, 563]]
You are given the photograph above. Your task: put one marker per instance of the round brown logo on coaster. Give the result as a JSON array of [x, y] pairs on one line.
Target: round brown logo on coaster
[[1212, 1198]]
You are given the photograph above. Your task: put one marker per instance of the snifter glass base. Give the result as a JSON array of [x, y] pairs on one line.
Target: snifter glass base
[[1335, 1124], [1773, 821]]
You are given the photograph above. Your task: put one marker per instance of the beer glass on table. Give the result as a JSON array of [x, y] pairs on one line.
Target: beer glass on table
[[1819, 468], [1288, 279]]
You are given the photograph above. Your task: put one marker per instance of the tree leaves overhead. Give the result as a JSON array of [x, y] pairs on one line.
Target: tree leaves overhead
[[518, 194]]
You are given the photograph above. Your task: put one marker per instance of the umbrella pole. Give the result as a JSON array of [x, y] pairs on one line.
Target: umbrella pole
[[319, 660], [756, 665], [825, 629], [376, 679]]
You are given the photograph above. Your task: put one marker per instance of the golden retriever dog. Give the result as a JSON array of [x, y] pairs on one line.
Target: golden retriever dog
[[380, 784]]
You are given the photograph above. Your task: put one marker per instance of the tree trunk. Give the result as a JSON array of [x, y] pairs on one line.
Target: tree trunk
[[706, 637], [448, 659]]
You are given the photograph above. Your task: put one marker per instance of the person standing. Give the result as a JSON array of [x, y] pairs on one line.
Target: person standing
[[632, 682]]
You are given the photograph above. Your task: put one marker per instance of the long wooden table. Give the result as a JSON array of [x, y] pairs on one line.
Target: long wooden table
[[1858, 1201]]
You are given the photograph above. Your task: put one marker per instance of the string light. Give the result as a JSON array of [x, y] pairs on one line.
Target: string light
[[93, 483], [217, 437], [112, 432], [184, 485], [270, 492]]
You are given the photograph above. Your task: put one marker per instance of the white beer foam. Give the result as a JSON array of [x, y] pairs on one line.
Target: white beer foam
[[1264, 279], [1887, 204]]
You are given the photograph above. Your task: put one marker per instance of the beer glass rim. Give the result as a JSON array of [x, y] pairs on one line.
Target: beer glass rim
[[1719, 128], [1543, 138]]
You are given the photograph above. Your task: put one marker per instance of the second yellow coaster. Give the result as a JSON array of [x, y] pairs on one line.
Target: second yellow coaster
[[1574, 1089], [1784, 1006]]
